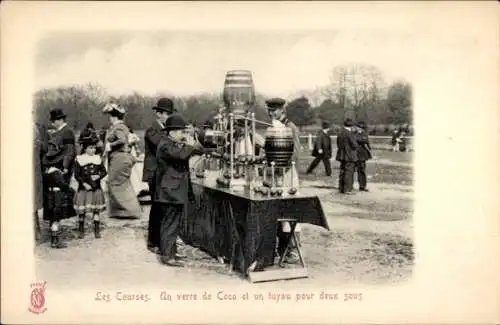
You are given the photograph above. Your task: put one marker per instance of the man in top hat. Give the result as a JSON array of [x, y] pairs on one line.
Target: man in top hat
[[277, 112], [163, 109], [172, 182], [322, 150], [57, 164], [364, 154], [347, 155]]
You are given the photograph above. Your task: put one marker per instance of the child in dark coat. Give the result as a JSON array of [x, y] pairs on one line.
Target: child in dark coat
[[89, 200]]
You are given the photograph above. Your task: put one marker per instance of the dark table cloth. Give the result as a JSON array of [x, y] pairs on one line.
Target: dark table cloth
[[241, 226]]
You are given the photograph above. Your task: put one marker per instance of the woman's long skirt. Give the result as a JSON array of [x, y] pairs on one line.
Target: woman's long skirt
[[123, 201]]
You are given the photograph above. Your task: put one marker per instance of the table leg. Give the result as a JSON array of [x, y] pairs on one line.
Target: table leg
[[302, 262], [291, 235]]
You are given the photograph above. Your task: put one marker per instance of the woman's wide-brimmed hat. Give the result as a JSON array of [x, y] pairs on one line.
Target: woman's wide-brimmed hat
[[165, 105], [110, 107], [57, 114]]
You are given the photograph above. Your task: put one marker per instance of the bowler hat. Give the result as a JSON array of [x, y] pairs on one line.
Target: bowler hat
[[165, 105], [175, 122], [325, 124], [56, 114], [348, 122], [361, 124], [275, 103]]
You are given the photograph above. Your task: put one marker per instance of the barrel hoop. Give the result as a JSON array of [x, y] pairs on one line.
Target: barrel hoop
[[239, 73], [238, 78], [238, 86], [235, 82]]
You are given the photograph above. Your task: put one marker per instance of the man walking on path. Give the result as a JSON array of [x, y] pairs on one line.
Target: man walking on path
[[322, 150]]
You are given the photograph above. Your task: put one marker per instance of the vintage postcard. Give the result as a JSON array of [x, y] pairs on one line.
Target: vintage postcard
[[250, 162]]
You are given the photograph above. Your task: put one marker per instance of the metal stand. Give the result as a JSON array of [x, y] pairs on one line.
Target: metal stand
[[283, 273]]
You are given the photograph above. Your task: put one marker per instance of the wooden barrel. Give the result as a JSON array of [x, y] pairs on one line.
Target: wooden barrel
[[279, 146], [239, 92]]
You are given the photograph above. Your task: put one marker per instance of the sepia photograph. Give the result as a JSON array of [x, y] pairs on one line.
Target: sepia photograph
[[262, 157], [281, 162]]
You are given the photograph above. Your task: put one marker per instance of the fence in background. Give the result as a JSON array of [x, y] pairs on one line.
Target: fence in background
[[376, 142]]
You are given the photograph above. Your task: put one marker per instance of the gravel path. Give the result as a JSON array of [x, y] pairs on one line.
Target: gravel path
[[371, 242]]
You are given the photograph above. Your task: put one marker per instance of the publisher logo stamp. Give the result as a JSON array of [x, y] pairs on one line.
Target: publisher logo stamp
[[37, 297]]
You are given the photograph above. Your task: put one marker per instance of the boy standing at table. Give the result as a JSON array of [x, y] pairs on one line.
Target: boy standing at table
[[172, 184]]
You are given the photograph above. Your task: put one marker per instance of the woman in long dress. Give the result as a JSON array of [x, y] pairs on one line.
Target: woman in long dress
[[123, 201]]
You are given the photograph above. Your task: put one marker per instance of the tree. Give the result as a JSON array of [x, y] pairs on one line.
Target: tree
[[331, 111], [356, 87], [299, 111], [399, 102]]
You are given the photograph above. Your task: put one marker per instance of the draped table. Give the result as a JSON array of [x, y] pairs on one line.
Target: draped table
[[240, 226]]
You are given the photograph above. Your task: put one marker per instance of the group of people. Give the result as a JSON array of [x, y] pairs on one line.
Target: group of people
[[353, 150], [169, 145], [106, 156]]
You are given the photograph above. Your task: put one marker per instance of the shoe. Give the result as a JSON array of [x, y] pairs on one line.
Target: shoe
[[97, 229], [153, 249], [56, 241], [81, 229], [349, 193], [180, 256], [171, 262], [363, 190], [292, 258]]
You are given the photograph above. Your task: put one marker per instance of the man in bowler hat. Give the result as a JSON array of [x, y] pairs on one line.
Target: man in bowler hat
[[364, 154], [163, 109], [172, 182], [347, 155], [57, 164], [322, 150]]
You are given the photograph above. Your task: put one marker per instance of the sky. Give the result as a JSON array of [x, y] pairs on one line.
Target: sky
[[189, 62]]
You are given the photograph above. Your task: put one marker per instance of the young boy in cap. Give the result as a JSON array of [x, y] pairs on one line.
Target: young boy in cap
[[163, 109], [276, 110], [172, 182]]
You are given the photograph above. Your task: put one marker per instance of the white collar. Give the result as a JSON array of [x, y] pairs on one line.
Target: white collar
[[85, 159], [61, 127]]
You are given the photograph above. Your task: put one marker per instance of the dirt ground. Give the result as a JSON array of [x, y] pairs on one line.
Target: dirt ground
[[370, 241]]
